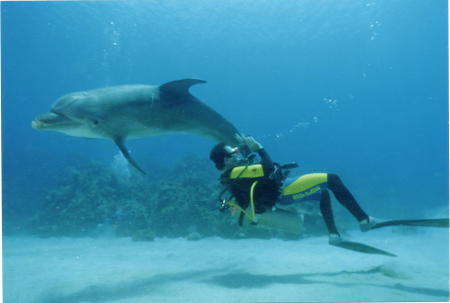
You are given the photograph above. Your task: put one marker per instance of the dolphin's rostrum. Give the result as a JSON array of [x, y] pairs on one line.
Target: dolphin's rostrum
[[135, 111]]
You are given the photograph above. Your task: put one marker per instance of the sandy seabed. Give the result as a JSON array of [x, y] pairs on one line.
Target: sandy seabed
[[67, 270]]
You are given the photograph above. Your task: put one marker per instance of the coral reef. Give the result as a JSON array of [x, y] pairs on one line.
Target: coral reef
[[95, 200]]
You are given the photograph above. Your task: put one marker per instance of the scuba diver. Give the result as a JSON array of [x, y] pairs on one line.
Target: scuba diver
[[263, 185], [257, 187]]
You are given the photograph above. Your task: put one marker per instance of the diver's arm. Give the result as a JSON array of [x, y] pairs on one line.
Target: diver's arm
[[266, 161], [255, 146]]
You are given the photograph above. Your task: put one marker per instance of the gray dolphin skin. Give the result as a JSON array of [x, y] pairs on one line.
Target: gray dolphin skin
[[136, 111]]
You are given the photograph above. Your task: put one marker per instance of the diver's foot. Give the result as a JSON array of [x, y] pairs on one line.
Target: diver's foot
[[334, 239], [367, 224]]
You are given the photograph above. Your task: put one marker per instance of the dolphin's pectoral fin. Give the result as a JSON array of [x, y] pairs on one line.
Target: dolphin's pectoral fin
[[174, 90], [126, 154]]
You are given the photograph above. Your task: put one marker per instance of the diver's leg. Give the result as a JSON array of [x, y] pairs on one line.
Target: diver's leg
[[327, 214], [344, 196]]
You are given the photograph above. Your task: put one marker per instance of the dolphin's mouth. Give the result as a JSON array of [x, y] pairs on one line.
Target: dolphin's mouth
[[36, 124], [52, 121]]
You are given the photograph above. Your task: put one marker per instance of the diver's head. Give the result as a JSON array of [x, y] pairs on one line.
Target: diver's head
[[226, 156]]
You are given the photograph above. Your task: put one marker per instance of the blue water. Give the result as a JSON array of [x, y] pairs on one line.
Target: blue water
[[357, 88]]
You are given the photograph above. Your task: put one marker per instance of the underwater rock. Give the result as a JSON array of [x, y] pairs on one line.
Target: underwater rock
[[143, 235], [193, 236]]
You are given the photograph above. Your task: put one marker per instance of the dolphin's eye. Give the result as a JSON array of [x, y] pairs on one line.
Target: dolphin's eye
[[95, 122]]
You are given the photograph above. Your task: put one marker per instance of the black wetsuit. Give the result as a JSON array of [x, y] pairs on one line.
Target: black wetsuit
[[344, 196], [266, 191]]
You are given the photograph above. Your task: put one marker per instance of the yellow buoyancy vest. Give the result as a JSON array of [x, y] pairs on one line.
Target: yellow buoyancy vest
[[250, 171]]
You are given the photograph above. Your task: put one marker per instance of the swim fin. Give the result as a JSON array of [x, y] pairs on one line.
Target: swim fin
[[363, 248], [421, 222]]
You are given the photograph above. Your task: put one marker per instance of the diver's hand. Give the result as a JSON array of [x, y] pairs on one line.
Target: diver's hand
[[252, 144], [239, 138], [249, 141]]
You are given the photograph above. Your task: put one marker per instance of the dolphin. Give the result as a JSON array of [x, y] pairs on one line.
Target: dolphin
[[136, 111]]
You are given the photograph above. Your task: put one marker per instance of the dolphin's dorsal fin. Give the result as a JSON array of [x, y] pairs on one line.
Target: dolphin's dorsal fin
[[178, 88]]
